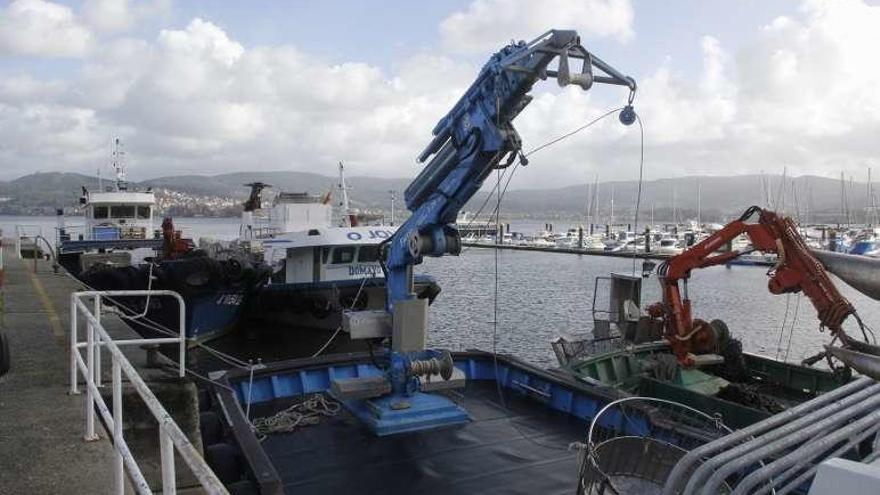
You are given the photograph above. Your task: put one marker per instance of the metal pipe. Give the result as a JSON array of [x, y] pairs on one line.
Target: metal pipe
[[138, 480], [866, 364], [90, 368], [684, 465], [166, 453], [186, 449], [181, 326], [119, 470], [859, 272], [803, 477], [127, 342], [73, 344], [731, 463], [97, 314], [805, 454]]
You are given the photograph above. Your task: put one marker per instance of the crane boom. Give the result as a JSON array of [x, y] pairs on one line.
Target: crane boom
[[796, 270], [476, 137]]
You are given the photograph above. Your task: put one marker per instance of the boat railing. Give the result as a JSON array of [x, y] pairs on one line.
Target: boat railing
[[101, 233], [171, 438], [570, 350], [25, 237]]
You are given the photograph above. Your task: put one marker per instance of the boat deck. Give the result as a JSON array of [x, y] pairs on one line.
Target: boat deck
[[520, 446]]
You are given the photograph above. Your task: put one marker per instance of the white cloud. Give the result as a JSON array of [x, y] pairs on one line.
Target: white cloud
[[485, 25], [37, 27], [111, 16], [802, 94]]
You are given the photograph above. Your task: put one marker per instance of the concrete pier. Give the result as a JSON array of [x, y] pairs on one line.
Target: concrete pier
[[42, 449], [41, 427]]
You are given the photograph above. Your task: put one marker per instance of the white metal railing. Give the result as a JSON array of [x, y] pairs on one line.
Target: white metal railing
[[112, 232], [28, 232], [171, 437]]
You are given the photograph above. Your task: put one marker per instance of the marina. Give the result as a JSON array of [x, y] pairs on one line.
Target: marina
[[303, 332]]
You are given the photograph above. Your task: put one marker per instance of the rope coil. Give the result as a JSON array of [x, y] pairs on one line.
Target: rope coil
[[305, 413]]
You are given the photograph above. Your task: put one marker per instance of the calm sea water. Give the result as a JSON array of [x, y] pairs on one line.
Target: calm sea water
[[542, 295]]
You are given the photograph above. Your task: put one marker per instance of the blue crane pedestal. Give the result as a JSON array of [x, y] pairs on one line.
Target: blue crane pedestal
[[404, 398], [394, 413]]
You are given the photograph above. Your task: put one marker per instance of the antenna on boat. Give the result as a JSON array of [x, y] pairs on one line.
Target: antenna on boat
[[347, 214], [118, 164], [391, 192]]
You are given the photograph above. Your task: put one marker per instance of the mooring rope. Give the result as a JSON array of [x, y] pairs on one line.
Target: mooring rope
[[305, 413]]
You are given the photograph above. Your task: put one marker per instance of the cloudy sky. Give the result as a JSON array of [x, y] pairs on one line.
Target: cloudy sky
[[208, 87]]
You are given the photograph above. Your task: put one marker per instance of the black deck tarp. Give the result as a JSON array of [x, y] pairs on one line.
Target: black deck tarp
[[518, 448]]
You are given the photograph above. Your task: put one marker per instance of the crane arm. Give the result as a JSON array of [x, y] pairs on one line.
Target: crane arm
[[476, 137], [796, 270]]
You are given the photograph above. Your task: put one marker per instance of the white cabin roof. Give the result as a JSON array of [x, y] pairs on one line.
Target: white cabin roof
[[122, 197], [331, 236]]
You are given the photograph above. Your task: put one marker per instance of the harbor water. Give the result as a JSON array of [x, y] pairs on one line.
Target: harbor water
[[541, 295]]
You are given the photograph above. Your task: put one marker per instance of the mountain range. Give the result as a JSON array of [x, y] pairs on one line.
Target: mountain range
[[718, 198]]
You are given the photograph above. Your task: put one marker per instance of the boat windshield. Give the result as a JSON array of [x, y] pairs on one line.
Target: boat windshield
[[368, 254], [122, 211], [343, 254]]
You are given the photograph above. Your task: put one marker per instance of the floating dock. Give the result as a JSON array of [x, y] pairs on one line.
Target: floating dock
[[588, 252]]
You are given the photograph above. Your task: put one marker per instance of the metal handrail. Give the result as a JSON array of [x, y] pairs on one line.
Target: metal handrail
[[171, 437], [21, 231]]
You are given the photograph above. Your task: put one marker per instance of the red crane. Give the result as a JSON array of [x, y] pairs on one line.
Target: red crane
[[795, 271]]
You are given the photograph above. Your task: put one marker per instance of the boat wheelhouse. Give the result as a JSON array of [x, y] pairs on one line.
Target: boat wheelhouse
[[321, 271], [116, 219]]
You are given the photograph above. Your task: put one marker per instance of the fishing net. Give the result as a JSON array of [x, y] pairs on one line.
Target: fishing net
[[634, 443]]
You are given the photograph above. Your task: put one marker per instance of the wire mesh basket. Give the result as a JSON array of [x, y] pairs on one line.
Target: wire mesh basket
[[634, 443]]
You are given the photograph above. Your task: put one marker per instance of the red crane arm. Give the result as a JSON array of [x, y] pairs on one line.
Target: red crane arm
[[796, 270]]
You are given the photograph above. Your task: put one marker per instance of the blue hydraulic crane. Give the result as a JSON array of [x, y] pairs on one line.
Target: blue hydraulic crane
[[476, 137]]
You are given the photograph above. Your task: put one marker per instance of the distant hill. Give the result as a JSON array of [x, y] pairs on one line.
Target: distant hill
[[817, 198]]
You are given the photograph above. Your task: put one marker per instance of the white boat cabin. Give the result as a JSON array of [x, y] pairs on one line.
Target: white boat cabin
[[119, 215], [328, 254]]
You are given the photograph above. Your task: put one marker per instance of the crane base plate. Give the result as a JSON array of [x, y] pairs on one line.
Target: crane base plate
[[393, 414]]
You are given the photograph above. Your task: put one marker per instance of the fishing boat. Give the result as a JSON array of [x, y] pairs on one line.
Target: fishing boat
[[323, 262], [118, 248], [626, 353], [520, 421], [321, 271]]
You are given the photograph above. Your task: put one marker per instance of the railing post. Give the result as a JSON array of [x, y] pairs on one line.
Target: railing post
[[166, 451], [182, 329], [90, 400], [73, 341], [97, 313], [119, 470]]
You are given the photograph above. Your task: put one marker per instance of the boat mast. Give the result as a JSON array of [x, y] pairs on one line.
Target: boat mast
[[347, 215], [391, 192], [699, 203], [119, 165], [611, 220]]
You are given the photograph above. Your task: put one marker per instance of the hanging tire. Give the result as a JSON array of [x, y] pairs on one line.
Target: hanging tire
[[210, 427], [722, 333], [223, 460], [5, 361], [244, 487]]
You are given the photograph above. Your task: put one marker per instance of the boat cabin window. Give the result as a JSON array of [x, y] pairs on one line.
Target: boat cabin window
[[344, 254], [122, 211], [368, 254], [143, 212], [100, 212], [325, 255]]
